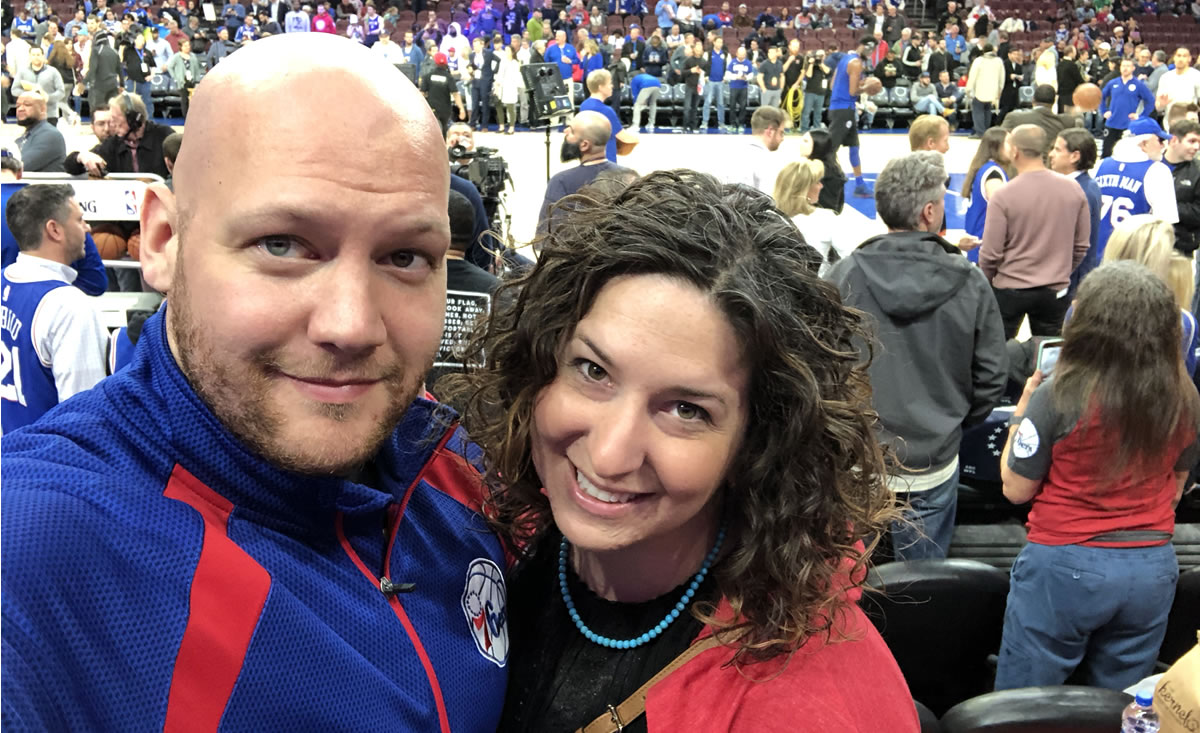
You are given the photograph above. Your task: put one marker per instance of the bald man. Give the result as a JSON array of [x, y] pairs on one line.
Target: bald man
[[586, 139], [259, 524], [1036, 233]]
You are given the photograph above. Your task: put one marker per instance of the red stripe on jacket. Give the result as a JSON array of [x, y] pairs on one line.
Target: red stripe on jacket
[[229, 590]]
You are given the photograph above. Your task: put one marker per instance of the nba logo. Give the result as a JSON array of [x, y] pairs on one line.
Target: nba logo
[[485, 604], [131, 202]]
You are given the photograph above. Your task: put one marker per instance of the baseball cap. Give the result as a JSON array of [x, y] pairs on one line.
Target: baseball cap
[[633, 25], [440, 59], [1106, 46], [1147, 126], [923, 73]]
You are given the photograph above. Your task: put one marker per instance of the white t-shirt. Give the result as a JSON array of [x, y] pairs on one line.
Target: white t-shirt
[[1178, 87]]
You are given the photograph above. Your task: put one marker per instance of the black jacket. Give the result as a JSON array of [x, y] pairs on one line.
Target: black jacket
[[1010, 93], [104, 70], [138, 70], [119, 158], [1187, 231], [942, 363], [1070, 76]]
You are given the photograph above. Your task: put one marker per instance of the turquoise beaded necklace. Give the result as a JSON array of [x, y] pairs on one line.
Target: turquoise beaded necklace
[[679, 608]]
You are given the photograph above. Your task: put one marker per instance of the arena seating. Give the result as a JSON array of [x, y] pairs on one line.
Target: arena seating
[[940, 615], [1181, 625], [1062, 709]]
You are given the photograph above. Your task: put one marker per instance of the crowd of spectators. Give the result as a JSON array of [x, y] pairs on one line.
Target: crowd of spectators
[[786, 55]]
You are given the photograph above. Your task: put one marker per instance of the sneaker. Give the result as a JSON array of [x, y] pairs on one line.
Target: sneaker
[[863, 192]]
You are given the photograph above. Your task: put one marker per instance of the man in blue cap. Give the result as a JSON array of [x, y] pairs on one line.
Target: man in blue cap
[[1135, 180]]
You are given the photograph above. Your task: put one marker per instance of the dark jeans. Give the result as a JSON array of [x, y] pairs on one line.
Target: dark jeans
[[737, 106], [981, 116], [1043, 306], [691, 101]]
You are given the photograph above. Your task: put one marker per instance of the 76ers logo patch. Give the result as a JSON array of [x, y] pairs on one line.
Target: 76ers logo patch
[[485, 604]]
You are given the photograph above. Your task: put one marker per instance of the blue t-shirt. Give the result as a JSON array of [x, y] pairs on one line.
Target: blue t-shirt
[[839, 97], [591, 104], [666, 19], [955, 46], [738, 68], [1122, 194], [977, 211], [716, 67], [642, 81]]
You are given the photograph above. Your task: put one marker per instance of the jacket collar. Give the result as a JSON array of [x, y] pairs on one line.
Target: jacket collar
[[153, 390], [916, 240]]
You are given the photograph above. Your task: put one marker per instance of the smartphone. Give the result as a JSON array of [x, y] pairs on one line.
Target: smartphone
[[1047, 355]]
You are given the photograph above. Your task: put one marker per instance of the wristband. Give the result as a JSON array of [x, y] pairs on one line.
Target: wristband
[[1015, 420]]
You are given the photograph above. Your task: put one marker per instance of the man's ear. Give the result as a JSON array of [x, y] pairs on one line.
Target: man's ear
[[160, 243]]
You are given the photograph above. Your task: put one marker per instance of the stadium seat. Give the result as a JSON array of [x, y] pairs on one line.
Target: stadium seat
[[901, 102], [1058, 709], [675, 94], [1025, 96], [1184, 620], [941, 619], [883, 102], [162, 90], [929, 721]]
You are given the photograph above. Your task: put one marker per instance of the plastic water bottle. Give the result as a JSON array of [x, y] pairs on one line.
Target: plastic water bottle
[[1139, 715]]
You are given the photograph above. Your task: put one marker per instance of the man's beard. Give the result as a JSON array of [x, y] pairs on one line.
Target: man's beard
[[28, 121], [570, 151], [238, 395]]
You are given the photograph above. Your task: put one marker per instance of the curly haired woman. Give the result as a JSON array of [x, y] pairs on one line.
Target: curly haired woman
[[679, 445]]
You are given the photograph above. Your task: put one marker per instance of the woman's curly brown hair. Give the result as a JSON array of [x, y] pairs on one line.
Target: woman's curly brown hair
[[807, 484]]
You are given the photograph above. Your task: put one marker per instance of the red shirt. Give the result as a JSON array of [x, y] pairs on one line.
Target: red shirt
[[850, 685], [1079, 498]]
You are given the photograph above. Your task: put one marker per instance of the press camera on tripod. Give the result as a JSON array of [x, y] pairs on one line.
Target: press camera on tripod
[[549, 99]]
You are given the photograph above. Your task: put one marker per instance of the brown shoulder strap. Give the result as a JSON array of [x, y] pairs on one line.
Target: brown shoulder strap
[[615, 720]]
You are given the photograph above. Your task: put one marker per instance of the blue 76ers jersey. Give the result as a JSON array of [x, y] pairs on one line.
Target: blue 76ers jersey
[[373, 25], [27, 388], [1122, 193]]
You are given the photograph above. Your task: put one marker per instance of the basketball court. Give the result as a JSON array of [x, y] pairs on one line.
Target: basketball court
[[525, 153]]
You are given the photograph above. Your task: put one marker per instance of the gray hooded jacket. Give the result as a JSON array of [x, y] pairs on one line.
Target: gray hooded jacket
[[940, 362]]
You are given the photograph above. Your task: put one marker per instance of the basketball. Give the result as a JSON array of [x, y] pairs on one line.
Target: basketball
[[111, 246], [135, 246], [872, 86], [1087, 97]]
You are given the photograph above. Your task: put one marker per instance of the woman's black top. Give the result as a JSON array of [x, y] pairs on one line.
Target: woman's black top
[[558, 680]]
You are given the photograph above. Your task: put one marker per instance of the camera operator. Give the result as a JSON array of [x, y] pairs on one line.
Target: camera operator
[[816, 82], [484, 250]]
